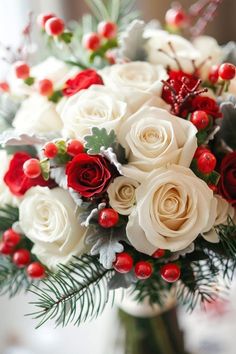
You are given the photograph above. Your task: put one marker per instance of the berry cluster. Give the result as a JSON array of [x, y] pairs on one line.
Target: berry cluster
[[21, 257], [106, 30], [124, 263]]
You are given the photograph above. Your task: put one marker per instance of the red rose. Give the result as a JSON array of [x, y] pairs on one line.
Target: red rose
[[82, 81], [206, 104], [176, 80], [89, 175], [16, 180], [227, 183]]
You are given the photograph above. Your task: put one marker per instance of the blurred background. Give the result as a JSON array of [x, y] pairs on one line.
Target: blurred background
[[204, 333]]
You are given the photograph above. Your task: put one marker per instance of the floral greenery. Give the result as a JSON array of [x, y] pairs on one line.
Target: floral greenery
[[8, 215]]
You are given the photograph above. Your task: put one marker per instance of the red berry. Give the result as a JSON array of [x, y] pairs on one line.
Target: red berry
[[91, 41], [200, 119], [43, 18], [22, 70], [227, 71], [32, 168], [170, 272], [200, 150], [108, 218], [213, 187], [206, 162], [50, 150], [21, 258], [107, 29], [143, 270], [4, 87], [5, 249], [11, 238], [213, 75], [158, 253], [123, 263], [54, 26], [74, 147], [176, 17], [36, 270], [45, 87]]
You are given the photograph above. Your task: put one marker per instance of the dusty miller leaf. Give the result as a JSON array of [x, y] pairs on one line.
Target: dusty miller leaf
[[132, 41], [59, 176], [14, 138], [99, 138], [122, 280], [227, 131], [90, 216], [106, 243]]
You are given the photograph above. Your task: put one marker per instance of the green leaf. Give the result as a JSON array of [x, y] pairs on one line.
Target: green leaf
[[45, 169], [66, 37], [29, 81], [56, 96], [8, 215], [99, 138], [99, 9], [62, 157]]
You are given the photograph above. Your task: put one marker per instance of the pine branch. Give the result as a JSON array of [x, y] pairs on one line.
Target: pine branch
[[75, 293], [8, 215]]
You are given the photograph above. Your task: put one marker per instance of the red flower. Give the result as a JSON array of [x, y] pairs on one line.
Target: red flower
[[206, 104], [227, 183], [82, 81], [176, 81], [89, 175], [16, 180]]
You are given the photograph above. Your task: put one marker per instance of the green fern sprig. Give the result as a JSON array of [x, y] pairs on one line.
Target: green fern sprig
[[77, 292]]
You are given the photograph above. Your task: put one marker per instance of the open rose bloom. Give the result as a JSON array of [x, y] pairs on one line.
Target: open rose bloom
[[119, 169]]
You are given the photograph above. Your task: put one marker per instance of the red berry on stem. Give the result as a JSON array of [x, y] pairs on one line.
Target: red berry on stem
[[5, 249], [170, 272], [36, 270], [22, 70], [143, 270], [159, 253], [200, 150], [91, 41], [4, 87], [43, 18], [74, 148], [200, 119], [107, 29], [227, 71], [176, 17], [32, 168], [45, 87], [108, 217], [123, 263], [206, 162], [11, 238], [21, 258], [50, 150], [54, 26], [213, 75]]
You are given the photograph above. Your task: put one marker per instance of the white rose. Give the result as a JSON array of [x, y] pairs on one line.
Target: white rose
[[138, 76], [122, 194], [173, 208], [224, 211], [159, 50], [210, 54], [37, 115], [49, 219], [153, 138], [96, 106], [53, 69], [232, 87], [6, 197]]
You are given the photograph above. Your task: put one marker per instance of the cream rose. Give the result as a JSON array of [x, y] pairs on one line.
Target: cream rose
[[49, 219], [37, 115], [5, 195], [160, 52], [138, 76], [153, 138], [122, 194], [173, 208], [223, 212], [96, 106]]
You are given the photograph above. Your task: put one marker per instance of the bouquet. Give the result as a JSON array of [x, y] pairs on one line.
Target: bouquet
[[118, 162]]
